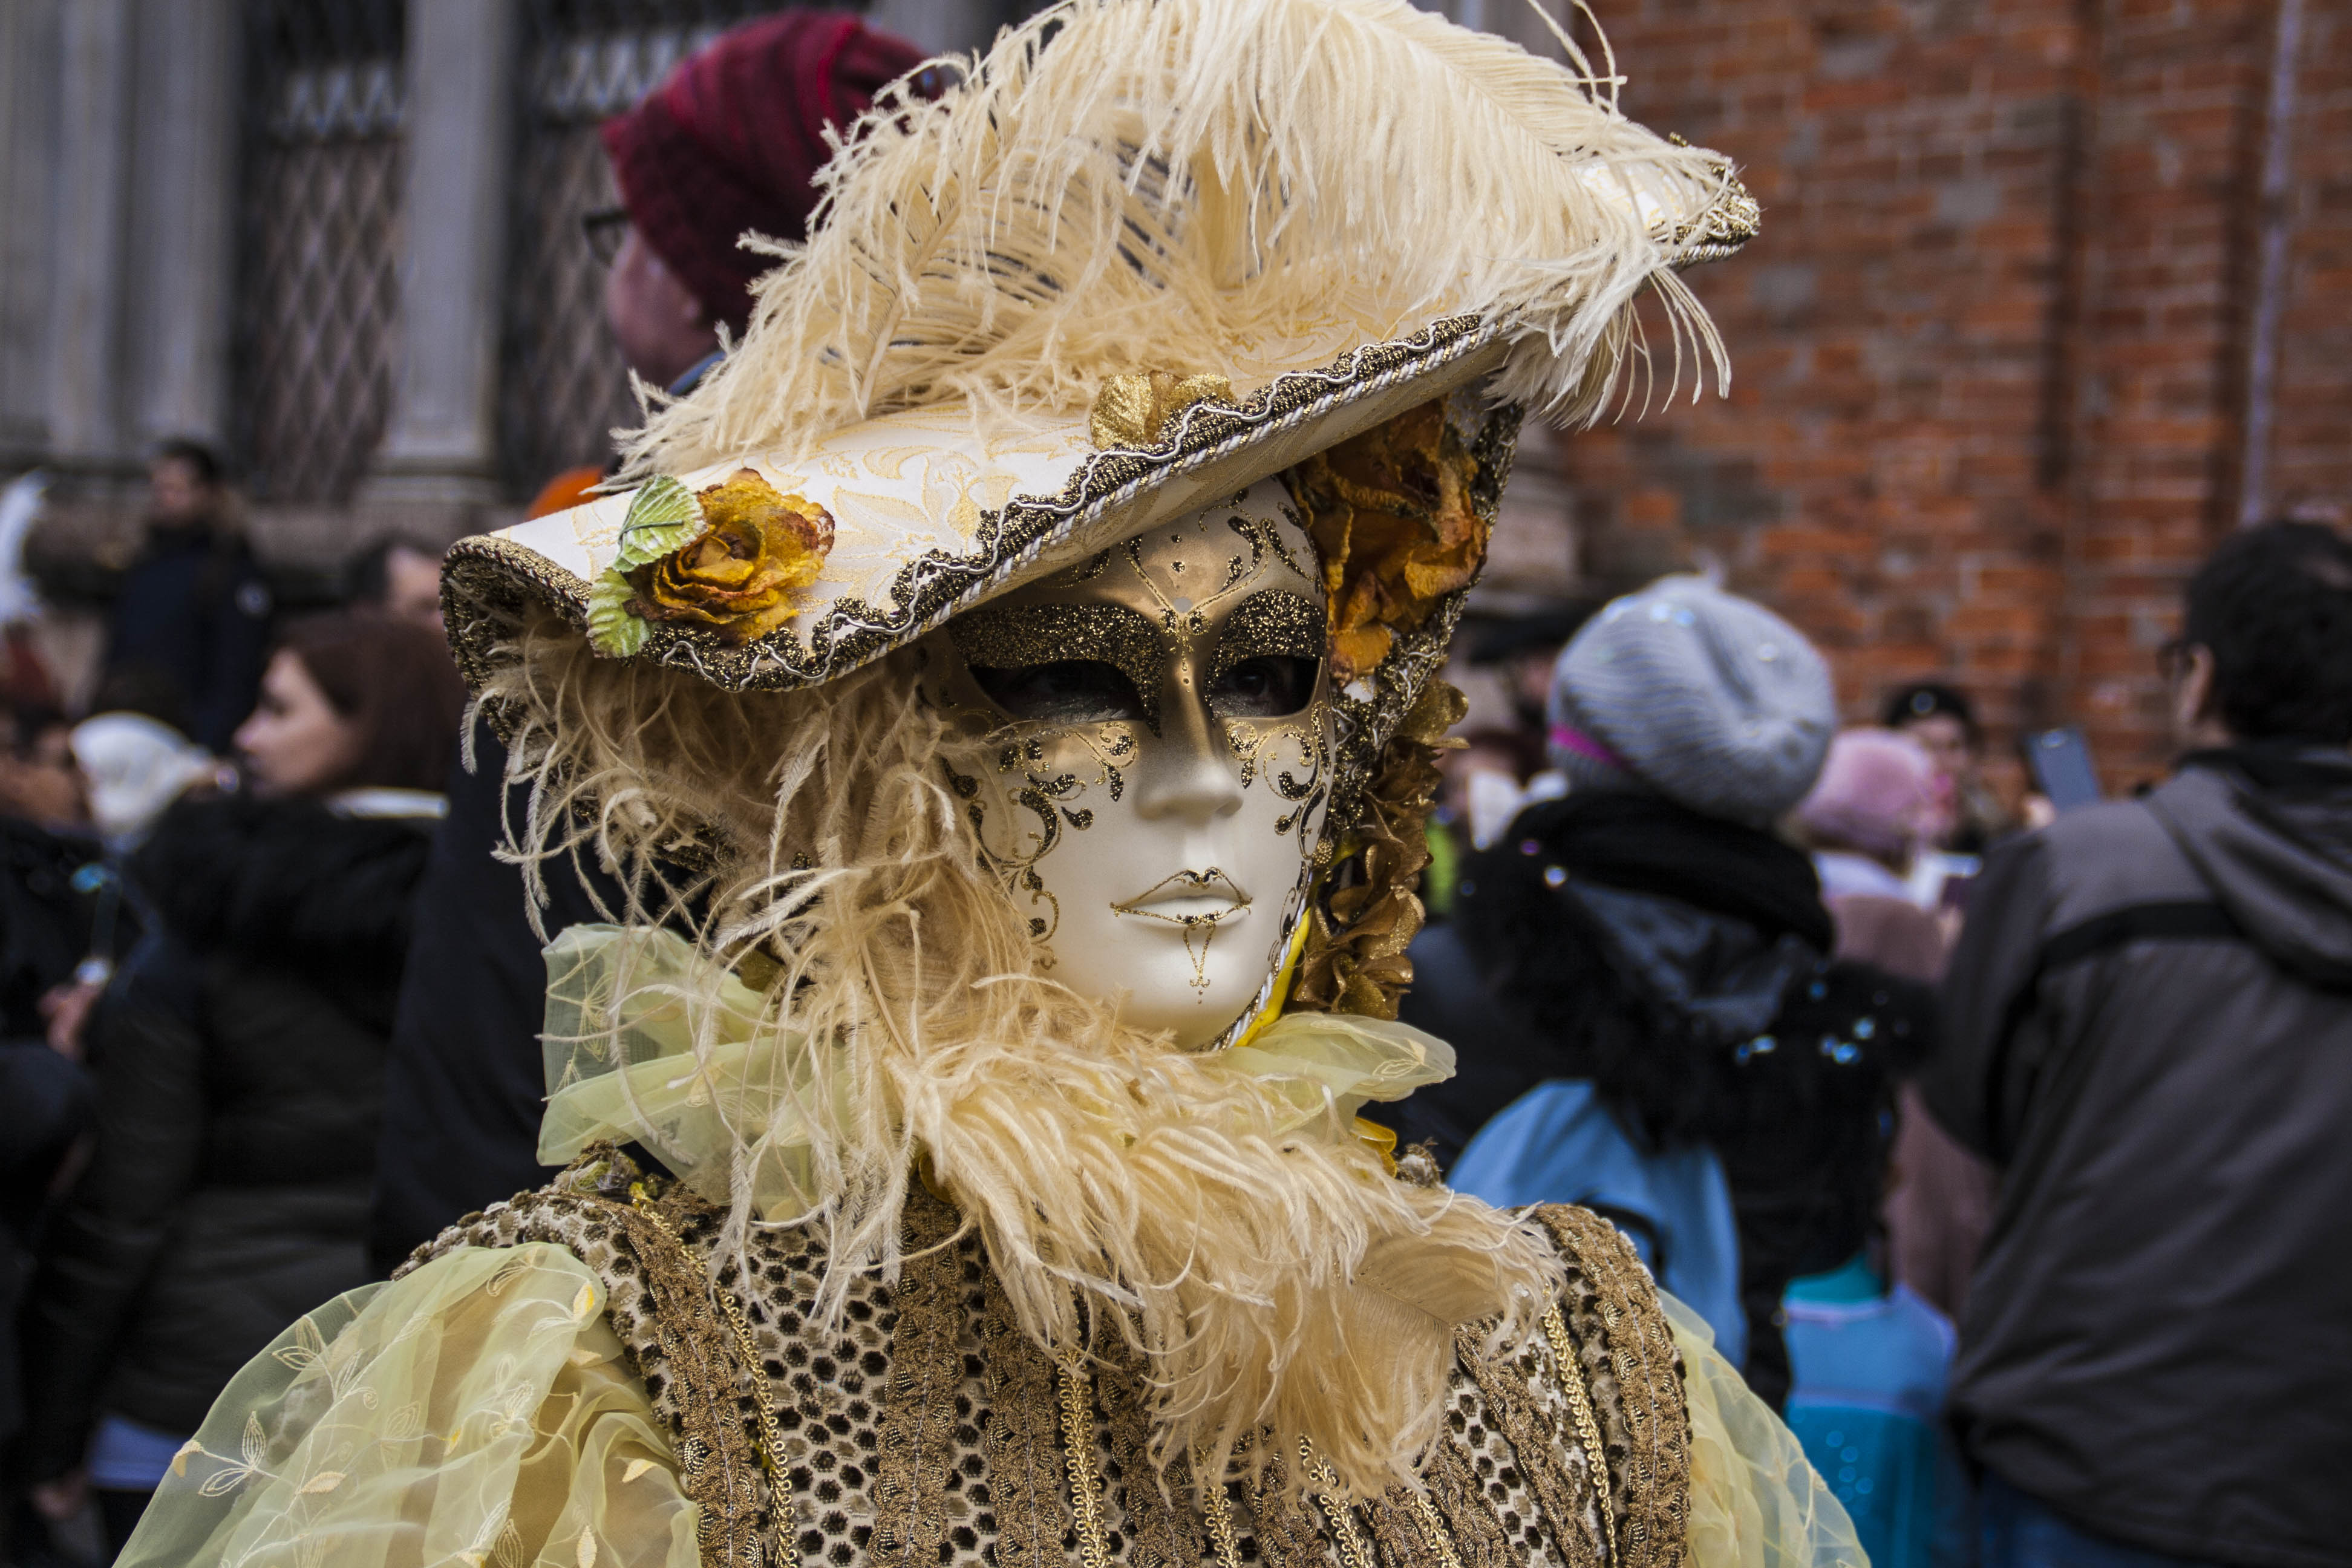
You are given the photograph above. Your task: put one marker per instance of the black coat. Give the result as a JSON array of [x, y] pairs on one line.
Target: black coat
[[46, 929], [465, 1088], [191, 625], [1675, 962], [2150, 1026], [239, 1062]]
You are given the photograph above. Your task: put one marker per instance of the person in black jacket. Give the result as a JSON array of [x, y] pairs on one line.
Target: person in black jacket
[[239, 1062], [192, 619]]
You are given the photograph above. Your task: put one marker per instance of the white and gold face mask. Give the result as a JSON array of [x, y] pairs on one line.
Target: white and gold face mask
[[1158, 746]]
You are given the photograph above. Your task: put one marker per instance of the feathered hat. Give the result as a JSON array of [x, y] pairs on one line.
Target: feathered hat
[[1147, 253]]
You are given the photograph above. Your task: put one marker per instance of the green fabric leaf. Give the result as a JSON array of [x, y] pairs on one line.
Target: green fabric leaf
[[662, 516], [611, 630]]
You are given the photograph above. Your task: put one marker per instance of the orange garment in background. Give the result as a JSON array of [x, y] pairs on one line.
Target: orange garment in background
[[565, 490]]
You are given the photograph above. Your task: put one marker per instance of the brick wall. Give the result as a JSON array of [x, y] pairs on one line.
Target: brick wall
[[1989, 351]]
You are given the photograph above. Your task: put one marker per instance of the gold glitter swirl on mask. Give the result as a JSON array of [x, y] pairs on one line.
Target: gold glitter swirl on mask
[[1272, 623], [1014, 637]]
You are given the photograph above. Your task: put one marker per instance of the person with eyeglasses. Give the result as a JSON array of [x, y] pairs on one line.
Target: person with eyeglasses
[[729, 144], [2149, 1030]]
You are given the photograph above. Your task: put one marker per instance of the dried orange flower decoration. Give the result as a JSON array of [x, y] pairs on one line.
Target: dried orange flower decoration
[[1390, 516], [759, 547]]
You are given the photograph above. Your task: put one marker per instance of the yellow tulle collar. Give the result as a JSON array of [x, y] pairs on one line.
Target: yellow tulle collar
[[649, 1041]]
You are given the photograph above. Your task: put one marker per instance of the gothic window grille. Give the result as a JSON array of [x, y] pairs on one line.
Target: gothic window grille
[[564, 389], [320, 242]]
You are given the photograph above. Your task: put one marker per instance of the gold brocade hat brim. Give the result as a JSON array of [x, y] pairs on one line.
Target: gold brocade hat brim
[[931, 517]]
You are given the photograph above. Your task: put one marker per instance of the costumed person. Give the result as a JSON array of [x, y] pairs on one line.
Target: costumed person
[[727, 145], [1007, 701], [1649, 1020]]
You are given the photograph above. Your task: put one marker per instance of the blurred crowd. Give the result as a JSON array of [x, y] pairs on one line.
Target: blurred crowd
[[204, 908], [1998, 1138], [2001, 1145]]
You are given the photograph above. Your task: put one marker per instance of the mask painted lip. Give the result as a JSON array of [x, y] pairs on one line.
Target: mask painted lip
[[1188, 896]]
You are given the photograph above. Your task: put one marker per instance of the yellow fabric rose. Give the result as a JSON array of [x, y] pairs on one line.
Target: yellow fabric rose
[[1390, 516], [759, 546]]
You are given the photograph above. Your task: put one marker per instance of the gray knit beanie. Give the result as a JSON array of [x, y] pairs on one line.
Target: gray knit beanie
[[1712, 702]]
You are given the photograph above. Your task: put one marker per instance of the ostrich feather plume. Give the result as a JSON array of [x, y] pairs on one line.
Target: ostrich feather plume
[[1234, 187]]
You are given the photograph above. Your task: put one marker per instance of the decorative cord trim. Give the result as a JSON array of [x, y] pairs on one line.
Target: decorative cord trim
[[770, 1446], [1078, 1452], [1353, 1552], [1024, 1478], [1621, 1342], [1554, 1489], [1432, 1530], [1217, 1509], [1588, 1430], [1287, 1535], [1454, 1496], [1161, 1534]]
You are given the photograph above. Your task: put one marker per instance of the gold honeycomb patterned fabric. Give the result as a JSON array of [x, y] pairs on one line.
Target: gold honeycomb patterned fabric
[[591, 1397]]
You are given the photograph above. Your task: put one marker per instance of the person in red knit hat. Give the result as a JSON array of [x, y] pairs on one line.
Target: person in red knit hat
[[730, 144]]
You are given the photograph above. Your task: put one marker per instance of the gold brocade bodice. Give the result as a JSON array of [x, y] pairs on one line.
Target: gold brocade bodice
[[930, 1432]]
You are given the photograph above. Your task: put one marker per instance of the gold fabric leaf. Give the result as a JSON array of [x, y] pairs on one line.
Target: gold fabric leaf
[[1355, 960], [1390, 515], [635, 1469], [586, 1555], [324, 1481], [738, 576], [1133, 410]]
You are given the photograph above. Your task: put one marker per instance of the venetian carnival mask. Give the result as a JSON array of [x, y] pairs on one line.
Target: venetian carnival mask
[[1155, 755]]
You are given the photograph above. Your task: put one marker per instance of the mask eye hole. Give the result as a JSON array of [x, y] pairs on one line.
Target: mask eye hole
[[1065, 691], [1270, 686]]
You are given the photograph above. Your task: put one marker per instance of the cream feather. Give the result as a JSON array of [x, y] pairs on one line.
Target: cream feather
[[1205, 186]]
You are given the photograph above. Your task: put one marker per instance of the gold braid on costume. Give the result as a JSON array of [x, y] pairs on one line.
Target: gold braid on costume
[[931, 1431]]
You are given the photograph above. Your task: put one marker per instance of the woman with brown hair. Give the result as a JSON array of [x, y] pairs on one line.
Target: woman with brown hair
[[239, 1060]]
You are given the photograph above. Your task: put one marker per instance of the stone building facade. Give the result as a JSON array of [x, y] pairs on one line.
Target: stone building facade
[[2052, 294], [339, 239]]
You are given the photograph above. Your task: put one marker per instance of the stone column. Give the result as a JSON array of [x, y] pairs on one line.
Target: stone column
[[440, 454], [92, 198], [29, 53], [183, 223]]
